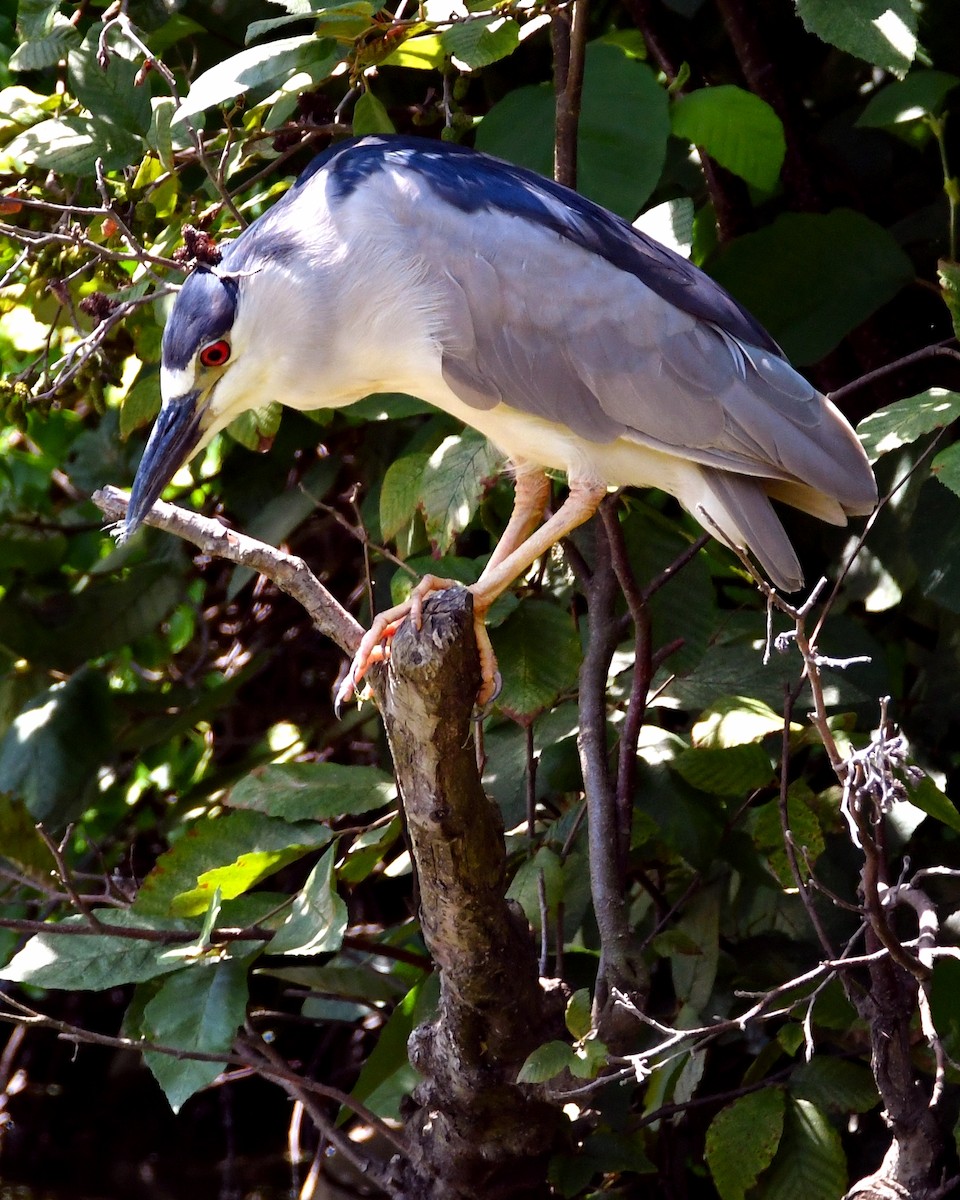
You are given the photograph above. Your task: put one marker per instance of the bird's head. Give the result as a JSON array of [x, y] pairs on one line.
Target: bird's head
[[213, 369]]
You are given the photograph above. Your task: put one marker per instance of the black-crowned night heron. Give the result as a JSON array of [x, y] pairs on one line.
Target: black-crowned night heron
[[568, 338]]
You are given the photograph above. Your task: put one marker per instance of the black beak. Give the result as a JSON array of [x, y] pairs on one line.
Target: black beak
[[174, 435]]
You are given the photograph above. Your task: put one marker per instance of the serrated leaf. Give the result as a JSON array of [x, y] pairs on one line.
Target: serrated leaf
[[370, 116], [742, 1140], [453, 482], [36, 54], [479, 41], [921, 93], [725, 771], [199, 1009], [811, 278], [231, 852], [905, 421], [93, 962], [834, 1083], [804, 827], [735, 127], [623, 131], [810, 1163], [110, 92], [400, 493], [250, 68], [538, 650], [256, 427], [546, 1062], [884, 34], [734, 721], [577, 1016], [313, 791], [318, 918], [72, 144]]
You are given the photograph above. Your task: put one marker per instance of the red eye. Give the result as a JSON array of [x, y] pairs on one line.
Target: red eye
[[216, 354]]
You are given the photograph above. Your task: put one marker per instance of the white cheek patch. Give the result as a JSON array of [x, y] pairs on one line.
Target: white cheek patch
[[175, 382]]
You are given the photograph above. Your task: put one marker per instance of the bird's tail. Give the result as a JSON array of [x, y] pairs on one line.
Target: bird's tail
[[736, 508]]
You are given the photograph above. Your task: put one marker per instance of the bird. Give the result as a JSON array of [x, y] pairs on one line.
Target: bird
[[573, 341]]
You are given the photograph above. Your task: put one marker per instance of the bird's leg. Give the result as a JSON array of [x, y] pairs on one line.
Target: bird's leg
[[502, 569], [531, 492], [580, 505]]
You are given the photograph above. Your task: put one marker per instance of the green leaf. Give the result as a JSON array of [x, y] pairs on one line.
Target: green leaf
[[45, 49], [96, 961], [72, 144], [804, 826], [538, 650], [742, 1140], [834, 1083], [905, 421], [810, 1163], [20, 843], [370, 116], [949, 275], [811, 278], [479, 41], [946, 468], [882, 32], [418, 53], [232, 852], [945, 1001], [453, 482], [110, 93], [922, 93], [734, 721], [935, 803], [256, 427], [318, 919], [400, 492], [737, 128], [249, 69], [50, 755], [623, 131], [578, 1016], [200, 1010], [387, 1076], [313, 791], [65, 635], [141, 404], [546, 1062], [725, 771]]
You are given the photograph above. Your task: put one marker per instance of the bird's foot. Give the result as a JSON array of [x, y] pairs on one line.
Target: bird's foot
[[373, 646]]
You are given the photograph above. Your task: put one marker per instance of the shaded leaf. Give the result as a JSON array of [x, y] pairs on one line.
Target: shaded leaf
[[737, 128], [922, 92], [141, 404], [96, 961], [232, 852], [110, 93], [538, 651], [200, 1010], [387, 1076], [400, 492], [50, 755], [835, 1083], [742, 1140], [477, 42], [905, 421], [313, 791], [882, 32], [453, 482], [813, 277], [810, 1163], [623, 130], [318, 918], [804, 827], [577, 1016], [370, 116], [547, 1061], [20, 843], [725, 771]]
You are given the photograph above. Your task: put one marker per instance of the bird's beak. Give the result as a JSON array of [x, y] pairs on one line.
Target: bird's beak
[[174, 436]]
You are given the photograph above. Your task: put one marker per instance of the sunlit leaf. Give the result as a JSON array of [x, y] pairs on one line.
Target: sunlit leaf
[[742, 1140], [318, 917], [737, 128], [883, 33]]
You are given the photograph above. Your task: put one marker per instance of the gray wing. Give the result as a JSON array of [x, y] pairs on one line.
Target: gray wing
[[547, 327]]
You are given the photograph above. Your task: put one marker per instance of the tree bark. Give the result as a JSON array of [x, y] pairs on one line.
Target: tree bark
[[475, 1132]]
